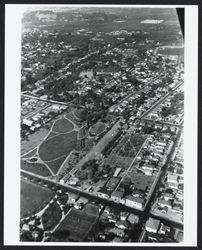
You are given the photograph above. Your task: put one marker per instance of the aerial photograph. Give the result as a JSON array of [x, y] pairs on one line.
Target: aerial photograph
[[102, 124]]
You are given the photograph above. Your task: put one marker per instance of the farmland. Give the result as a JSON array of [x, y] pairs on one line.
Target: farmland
[[58, 146], [33, 198], [77, 224]]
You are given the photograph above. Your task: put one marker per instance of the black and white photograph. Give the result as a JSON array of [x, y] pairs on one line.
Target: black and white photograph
[[103, 142]]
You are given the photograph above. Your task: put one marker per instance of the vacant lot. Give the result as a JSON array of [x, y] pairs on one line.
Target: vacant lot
[[33, 198], [98, 128], [76, 225], [140, 181], [63, 126], [58, 146], [36, 168]]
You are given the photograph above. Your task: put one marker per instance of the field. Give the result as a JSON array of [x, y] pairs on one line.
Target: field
[[139, 180], [72, 118], [77, 224], [35, 168], [30, 154], [33, 140], [52, 216], [58, 146], [55, 164], [98, 128], [33, 198], [62, 126]]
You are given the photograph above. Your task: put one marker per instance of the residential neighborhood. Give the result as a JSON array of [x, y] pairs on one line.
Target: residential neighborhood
[[102, 125]]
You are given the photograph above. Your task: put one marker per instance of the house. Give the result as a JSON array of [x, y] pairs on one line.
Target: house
[[64, 178], [107, 210], [138, 193], [152, 225], [104, 193], [117, 172], [117, 231], [117, 195], [168, 196], [122, 224], [27, 122], [164, 229], [26, 227], [172, 178], [164, 203], [135, 202], [74, 197], [133, 219], [124, 215]]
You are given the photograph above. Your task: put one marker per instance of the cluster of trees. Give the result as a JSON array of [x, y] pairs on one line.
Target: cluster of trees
[[94, 171]]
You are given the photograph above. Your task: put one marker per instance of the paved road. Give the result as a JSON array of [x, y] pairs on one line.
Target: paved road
[[91, 195]]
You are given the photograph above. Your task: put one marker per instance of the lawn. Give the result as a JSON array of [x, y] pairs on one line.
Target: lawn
[[30, 154], [52, 134], [36, 168], [58, 146], [55, 164], [33, 198], [77, 224], [62, 126]]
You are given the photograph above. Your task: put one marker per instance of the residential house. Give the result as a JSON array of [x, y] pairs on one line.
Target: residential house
[[152, 225], [135, 202]]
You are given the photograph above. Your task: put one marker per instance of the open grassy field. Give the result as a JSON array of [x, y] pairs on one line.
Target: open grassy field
[[33, 198], [140, 181], [51, 216], [72, 118], [33, 140], [55, 164], [36, 168], [98, 128], [58, 146], [62, 126], [77, 224], [30, 154]]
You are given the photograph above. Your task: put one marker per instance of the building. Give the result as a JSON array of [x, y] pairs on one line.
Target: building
[[165, 203], [122, 224], [152, 225], [124, 215], [135, 202], [117, 195], [27, 122], [133, 219], [164, 229]]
